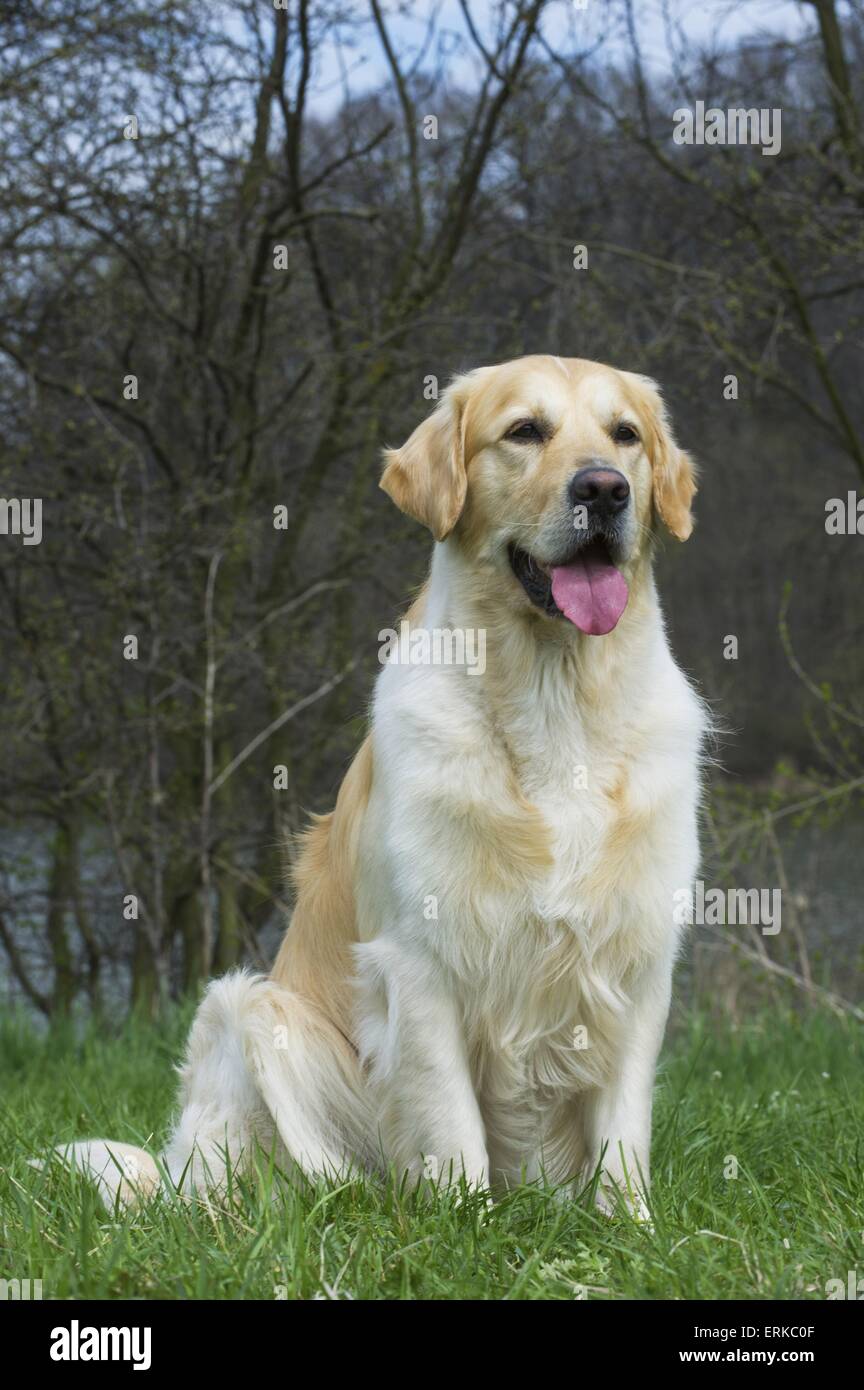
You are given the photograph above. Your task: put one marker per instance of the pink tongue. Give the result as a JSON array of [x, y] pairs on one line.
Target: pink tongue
[[590, 592]]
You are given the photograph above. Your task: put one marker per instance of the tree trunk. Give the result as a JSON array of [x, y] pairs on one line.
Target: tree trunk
[[61, 892]]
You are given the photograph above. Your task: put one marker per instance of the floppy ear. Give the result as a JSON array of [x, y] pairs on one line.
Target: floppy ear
[[674, 490], [426, 478], [674, 471]]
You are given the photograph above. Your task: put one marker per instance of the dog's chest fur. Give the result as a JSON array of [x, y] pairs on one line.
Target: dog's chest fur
[[536, 839]]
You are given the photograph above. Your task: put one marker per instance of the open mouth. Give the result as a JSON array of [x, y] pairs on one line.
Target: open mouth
[[589, 590]]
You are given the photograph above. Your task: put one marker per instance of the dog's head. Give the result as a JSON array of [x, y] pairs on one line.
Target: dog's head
[[551, 471]]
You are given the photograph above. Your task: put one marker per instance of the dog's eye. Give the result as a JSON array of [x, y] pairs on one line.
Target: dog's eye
[[625, 434], [527, 431]]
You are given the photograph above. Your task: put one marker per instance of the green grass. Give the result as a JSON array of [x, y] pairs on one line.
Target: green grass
[[784, 1095]]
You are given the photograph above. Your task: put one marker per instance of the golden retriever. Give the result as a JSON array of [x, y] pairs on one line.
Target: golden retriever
[[476, 977]]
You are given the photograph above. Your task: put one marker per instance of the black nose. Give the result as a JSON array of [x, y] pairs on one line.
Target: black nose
[[603, 490]]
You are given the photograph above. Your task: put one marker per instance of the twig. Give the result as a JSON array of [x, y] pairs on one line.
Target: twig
[[834, 1001], [277, 723], [207, 789]]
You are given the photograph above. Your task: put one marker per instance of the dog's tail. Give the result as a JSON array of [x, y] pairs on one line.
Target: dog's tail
[[121, 1172]]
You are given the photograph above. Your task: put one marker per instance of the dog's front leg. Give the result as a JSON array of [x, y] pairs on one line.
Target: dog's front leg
[[618, 1115], [412, 1041]]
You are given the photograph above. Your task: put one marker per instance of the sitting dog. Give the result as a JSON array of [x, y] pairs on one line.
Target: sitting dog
[[475, 980]]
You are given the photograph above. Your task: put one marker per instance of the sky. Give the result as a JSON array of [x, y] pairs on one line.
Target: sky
[[701, 22], [730, 20]]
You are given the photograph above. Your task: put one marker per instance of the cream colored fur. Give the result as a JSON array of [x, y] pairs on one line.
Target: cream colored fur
[[477, 974]]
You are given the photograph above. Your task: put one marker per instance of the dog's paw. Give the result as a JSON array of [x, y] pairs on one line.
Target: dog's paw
[[611, 1201]]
